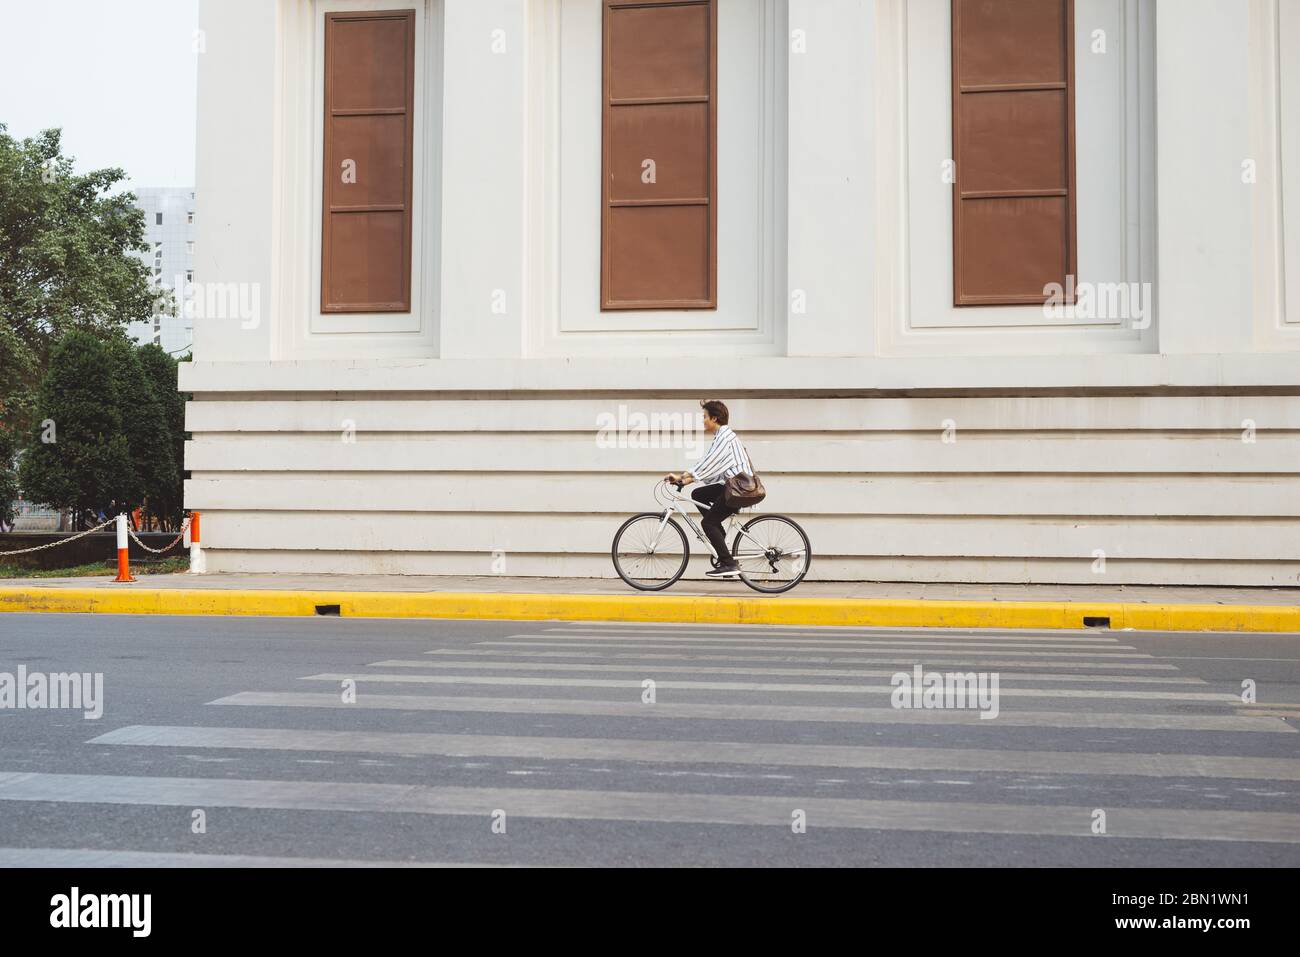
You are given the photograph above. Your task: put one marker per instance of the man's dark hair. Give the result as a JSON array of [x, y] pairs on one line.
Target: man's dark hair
[[716, 409]]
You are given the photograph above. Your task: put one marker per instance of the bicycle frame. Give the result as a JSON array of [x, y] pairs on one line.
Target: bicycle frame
[[677, 504]]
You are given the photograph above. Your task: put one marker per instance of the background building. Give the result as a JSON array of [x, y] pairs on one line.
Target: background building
[[439, 257], [169, 230]]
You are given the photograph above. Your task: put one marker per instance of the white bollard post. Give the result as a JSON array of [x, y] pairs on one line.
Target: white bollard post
[[123, 544], [198, 563]]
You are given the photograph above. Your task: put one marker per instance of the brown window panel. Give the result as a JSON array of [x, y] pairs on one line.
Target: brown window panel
[[1014, 202], [659, 239], [369, 121]]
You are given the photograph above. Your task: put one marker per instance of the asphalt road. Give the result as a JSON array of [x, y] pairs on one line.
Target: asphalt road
[[460, 731]]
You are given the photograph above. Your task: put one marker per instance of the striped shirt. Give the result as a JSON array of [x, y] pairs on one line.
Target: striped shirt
[[724, 458]]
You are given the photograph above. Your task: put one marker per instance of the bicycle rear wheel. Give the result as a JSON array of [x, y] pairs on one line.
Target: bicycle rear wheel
[[650, 554], [773, 553]]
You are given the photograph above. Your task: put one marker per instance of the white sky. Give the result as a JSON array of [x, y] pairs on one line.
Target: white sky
[[117, 75]]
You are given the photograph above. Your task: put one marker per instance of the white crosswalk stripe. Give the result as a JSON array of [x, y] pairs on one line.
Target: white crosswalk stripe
[[724, 670], [685, 808], [827, 634], [700, 752], [752, 686], [752, 712], [91, 858], [903, 656], [894, 652], [881, 642]]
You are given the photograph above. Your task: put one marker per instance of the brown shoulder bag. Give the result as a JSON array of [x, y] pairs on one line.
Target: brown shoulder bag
[[743, 490]]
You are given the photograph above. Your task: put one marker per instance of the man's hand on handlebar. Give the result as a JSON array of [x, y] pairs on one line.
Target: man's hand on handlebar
[[681, 480]]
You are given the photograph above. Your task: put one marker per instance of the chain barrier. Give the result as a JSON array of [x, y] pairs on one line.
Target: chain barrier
[[62, 541], [158, 551]]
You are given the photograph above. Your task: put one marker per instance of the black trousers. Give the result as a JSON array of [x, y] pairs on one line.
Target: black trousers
[[714, 516]]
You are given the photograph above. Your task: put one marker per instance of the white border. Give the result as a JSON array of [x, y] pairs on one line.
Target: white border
[[979, 332], [302, 330], [1275, 134], [695, 332]]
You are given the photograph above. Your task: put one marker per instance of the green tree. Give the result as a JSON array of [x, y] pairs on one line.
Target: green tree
[[77, 454], [66, 262], [165, 499], [148, 439], [8, 478]]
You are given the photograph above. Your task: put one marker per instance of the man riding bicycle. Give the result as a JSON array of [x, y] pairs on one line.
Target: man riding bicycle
[[724, 458]]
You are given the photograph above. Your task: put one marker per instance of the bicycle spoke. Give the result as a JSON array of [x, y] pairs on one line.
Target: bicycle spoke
[[773, 554], [650, 553]]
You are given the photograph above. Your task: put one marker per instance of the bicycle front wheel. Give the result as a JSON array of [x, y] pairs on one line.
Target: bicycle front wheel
[[649, 552], [773, 553]]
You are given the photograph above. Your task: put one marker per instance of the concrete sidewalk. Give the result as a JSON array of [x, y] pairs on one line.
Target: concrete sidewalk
[[812, 603], [503, 585]]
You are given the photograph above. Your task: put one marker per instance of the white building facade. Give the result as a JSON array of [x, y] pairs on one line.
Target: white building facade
[[169, 233], [996, 290]]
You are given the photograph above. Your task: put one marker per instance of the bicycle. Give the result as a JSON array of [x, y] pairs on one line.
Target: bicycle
[[650, 550]]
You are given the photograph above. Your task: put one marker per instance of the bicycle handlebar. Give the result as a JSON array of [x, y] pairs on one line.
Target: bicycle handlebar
[[662, 491]]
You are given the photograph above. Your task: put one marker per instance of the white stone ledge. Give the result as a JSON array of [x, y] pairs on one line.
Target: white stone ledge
[[750, 374]]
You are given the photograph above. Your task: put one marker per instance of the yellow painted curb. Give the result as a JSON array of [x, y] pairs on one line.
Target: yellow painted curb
[[130, 600]]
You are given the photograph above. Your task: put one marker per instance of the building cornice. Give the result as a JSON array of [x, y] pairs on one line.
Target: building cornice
[[1279, 372]]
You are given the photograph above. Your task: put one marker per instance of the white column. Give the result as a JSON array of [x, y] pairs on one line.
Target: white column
[[483, 173], [234, 177], [831, 177], [1205, 293]]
